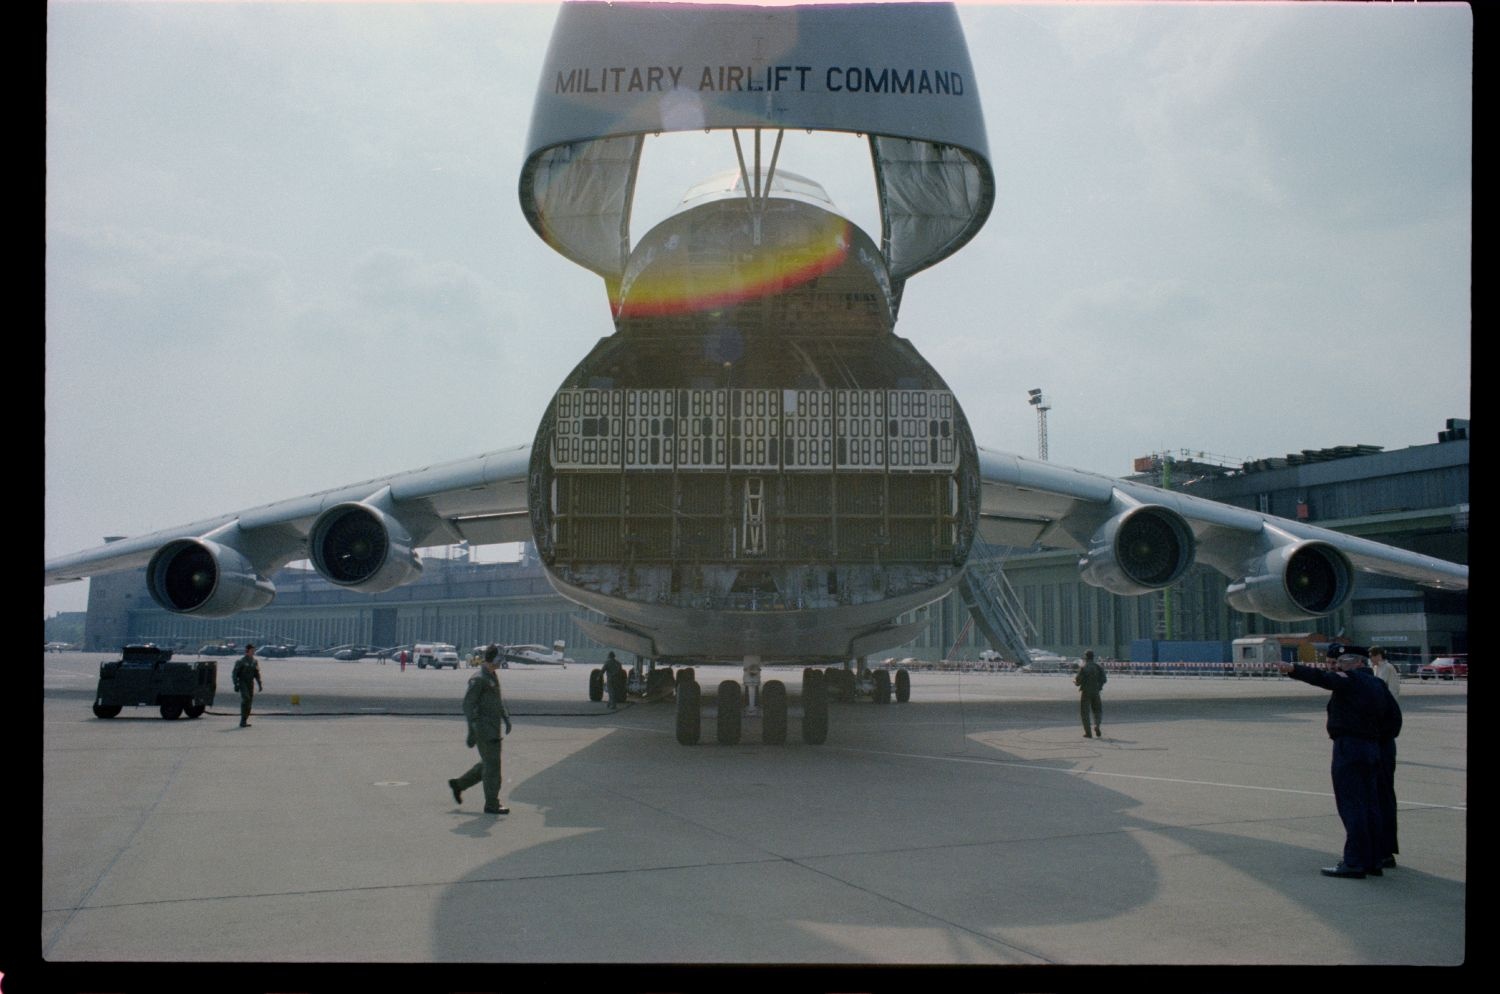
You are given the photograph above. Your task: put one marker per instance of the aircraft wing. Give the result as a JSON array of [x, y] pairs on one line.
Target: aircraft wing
[[363, 533], [1135, 538]]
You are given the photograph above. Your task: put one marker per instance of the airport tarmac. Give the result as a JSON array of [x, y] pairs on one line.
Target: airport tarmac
[[972, 825]]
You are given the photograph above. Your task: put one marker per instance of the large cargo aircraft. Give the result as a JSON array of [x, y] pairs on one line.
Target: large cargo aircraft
[[754, 467]]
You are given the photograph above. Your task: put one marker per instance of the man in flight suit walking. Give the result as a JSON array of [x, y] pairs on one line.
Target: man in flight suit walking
[[485, 710], [1090, 680], [1359, 712], [246, 672]]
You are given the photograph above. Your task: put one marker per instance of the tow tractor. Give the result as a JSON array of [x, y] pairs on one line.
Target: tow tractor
[[145, 675]]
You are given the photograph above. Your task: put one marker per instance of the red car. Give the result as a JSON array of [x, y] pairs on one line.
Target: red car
[[1445, 668]]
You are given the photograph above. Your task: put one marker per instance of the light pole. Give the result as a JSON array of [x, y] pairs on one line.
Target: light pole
[[1042, 407]]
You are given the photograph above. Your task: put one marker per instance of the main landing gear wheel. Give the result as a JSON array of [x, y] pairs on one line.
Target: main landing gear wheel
[[729, 713], [882, 690], [773, 713], [903, 686], [596, 685], [620, 688], [688, 712], [171, 710], [106, 710], [814, 708]]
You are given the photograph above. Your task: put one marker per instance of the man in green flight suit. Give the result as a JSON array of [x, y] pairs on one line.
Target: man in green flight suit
[[485, 710], [1090, 680], [245, 673]]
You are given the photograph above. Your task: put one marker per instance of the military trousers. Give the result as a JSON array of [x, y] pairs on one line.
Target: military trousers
[[1356, 793], [1089, 701], [1387, 841], [486, 771], [247, 697]]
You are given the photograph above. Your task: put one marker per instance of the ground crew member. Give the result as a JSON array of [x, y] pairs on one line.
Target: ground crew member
[[485, 710], [1358, 715], [614, 679], [1090, 680], [245, 673]]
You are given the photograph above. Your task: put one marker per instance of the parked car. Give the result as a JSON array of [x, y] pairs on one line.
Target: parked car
[[1043, 661], [1445, 668]]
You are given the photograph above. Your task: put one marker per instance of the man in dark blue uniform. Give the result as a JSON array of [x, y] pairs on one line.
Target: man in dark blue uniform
[[1358, 719]]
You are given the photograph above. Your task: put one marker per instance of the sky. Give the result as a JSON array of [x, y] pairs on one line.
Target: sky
[[284, 248]]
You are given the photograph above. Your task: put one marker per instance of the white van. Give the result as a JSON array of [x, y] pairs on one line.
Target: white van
[[435, 654]]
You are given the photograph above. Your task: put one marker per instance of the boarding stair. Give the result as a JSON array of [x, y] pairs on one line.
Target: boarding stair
[[994, 606]]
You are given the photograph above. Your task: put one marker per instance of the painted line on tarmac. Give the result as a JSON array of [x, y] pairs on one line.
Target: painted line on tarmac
[[1134, 776], [83, 902]]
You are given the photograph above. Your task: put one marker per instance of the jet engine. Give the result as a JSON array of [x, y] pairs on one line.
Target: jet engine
[[1140, 550], [204, 578], [1294, 582], [362, 547]]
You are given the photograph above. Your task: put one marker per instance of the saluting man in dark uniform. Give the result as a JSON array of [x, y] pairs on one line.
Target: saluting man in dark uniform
[[246, 672], [1359, 713], [485, 710]]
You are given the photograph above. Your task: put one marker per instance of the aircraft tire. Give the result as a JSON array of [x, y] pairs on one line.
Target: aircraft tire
[[596, 685], [689, 712], [194, 710], [773, 722], [171, 710], [106, 710], [903, 686], [882, 690], [814, 709], [728, 724], [622, 686]]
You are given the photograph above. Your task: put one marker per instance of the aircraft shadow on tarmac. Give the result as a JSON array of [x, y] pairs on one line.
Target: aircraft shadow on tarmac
[[888, 844], [920, 832]]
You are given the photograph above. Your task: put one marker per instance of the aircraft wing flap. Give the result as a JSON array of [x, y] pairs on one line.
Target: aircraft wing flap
[[490, 529], [1011, 530]]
